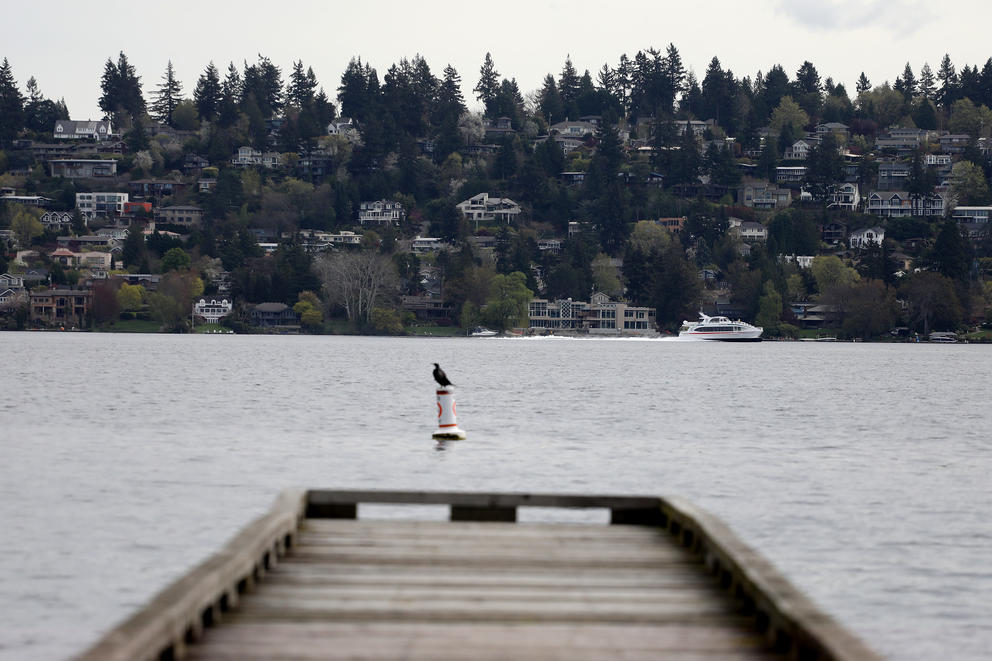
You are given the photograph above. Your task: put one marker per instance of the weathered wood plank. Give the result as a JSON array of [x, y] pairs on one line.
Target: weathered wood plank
[[292, 572], [485, 641]]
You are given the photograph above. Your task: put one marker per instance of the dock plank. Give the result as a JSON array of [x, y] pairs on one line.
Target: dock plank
[[485, 641]]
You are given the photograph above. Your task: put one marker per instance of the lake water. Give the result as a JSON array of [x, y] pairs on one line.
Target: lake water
[[860, 470]]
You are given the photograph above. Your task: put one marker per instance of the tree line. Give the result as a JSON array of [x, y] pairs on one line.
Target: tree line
[[415, 135]]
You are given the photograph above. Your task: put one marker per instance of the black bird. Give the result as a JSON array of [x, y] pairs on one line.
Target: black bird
[[441, 377]]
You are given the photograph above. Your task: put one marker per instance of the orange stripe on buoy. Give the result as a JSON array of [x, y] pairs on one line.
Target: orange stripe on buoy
[[454, 425]]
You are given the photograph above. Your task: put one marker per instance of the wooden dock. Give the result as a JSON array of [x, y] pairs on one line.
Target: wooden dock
[[311, 580]]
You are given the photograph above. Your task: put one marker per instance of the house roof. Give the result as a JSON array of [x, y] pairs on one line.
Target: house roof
[[271, 307]]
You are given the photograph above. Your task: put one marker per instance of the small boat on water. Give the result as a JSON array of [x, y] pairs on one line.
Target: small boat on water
[[480, 331], [720, 328]]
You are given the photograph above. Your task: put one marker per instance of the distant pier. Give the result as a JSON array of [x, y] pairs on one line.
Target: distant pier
[[310, 580]]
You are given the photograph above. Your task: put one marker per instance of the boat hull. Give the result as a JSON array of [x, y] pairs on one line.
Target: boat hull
[[720, 337]]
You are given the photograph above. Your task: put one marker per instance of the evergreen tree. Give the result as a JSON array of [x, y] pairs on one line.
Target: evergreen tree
[[863, 84], [549, 101], [951, 255], [909, 86], [40, 114], [824, 168], [590, 101], [948, 77], [324, 111], [768, 160], [776, 86], [568, 90], [358, 93], [691, 102], [985, 83], [263, 81], [718, 92], [450, 101], [808, 89], [120, 88], [230, 97], [928, 82], [167, 96], [488, 88], [925, 114], [605, 193], [302, 86], [922, 180], [509, 102], [11, 105], [969, 84], [674, 73], [686, 161], [207, 94]]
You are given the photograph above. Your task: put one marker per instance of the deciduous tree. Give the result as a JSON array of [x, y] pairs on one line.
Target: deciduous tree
[[357, 281], [509, 298]]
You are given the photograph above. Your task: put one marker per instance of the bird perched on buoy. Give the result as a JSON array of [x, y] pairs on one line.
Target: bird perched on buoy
[[441, 377]]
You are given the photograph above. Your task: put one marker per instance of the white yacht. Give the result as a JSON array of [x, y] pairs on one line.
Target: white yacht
[[480, 331], [720, 328]]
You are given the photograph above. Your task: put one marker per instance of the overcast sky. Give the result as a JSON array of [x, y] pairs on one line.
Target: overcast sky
[[65, 45]]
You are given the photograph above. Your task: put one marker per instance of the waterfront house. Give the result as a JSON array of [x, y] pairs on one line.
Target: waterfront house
[[974, 221], [764, 195], [69, 129], [748, 230], [274, 315], [578, 130], [186, 216], [845, 196], [247, 157], [67, 307], [834, 231], [56, 221], [381, 212], [497, 129], [841, 131], [426, 244], [100, 205], [83, 168], [893, 175], [798, 150], [155, 188], [27, 200], [485, 209], [790, 175], [867, 237], [212, 308], [599, 316], [899, 204]]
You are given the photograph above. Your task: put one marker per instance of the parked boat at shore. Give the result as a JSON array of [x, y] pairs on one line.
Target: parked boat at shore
[[720, 328], [480, 331]]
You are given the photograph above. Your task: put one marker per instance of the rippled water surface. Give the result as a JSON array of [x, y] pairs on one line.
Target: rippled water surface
[[861, 471]]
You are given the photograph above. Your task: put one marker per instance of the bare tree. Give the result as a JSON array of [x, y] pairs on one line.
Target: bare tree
[[357, 281]]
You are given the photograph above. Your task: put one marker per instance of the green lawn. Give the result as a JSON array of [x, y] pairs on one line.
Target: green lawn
[[132, 326]]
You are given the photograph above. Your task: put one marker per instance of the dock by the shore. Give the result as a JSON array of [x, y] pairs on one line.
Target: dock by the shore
[[311, 580]]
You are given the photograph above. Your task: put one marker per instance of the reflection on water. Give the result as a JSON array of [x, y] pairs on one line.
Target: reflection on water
[[860, 470]]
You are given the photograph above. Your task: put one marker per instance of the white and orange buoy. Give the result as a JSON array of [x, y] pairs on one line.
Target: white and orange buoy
[[447, 422]]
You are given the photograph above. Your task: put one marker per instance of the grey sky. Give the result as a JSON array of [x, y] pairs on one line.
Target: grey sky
[[65, 45]]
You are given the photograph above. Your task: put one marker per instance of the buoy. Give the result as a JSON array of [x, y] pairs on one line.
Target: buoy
[[447, 423]]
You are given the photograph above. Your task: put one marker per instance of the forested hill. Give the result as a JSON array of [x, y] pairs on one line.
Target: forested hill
[[678, 192]]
